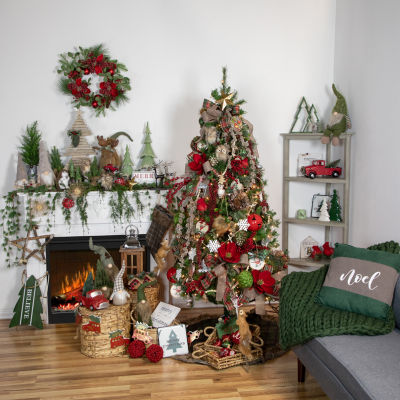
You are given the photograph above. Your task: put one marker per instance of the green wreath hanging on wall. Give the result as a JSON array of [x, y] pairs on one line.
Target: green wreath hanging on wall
[[81, 69]]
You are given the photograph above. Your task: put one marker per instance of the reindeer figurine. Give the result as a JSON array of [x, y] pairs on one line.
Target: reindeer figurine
[[245, 334]]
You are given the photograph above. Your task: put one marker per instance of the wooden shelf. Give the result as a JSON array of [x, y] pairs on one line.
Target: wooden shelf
[[304, 179], [311, 136], [306, 262], [314, 221]]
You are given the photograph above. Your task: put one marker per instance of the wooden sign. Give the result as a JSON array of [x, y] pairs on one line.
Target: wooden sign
[[173, 340], [144, 176]]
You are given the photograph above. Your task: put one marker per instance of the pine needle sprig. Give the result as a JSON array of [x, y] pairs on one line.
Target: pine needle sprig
[[30, 145]]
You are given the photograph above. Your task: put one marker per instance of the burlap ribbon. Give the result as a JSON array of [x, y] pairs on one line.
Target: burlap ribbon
[[211, 112], [207, 167], [220, 273], [252, 294], [250, 125]]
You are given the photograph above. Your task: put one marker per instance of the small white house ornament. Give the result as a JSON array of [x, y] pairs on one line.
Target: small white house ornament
[[306, 246]]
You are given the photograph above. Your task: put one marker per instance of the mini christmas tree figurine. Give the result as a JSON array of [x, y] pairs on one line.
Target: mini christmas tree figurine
[[45, 172], [55, 160], [127, 164], [221, 211], [335, 210], [147, 157], [71, 171], [324, 215], [30, 149], [89, 284]]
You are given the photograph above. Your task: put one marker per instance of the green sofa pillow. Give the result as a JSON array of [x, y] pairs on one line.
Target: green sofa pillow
[[360, 281]]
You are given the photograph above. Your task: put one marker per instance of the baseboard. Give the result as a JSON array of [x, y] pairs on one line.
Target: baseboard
[[6, 313]]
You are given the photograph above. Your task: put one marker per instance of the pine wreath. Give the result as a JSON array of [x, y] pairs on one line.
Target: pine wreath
[[78, 69]]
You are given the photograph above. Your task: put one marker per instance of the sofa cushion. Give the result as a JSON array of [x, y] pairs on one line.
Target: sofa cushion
[[360, 280], [367, 366], [396, 303]]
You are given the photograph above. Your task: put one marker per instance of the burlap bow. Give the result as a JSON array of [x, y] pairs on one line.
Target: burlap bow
[[251, 294], [211, 112]]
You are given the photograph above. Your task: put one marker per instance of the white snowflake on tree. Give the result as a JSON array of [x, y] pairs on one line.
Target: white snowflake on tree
[[204, 267], [178, 274], [243, 224], [213, 246], [192, 253]]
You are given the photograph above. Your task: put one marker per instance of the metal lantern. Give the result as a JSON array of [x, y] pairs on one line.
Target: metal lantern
[[132, 237], [132, 253]]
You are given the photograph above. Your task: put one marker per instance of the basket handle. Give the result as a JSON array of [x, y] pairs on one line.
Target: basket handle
[[258, 339], [206, 329], [199, 353]]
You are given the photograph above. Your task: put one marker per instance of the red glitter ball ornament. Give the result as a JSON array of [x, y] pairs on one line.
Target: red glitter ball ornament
[[136, 349], [95, 104], [255, 222], [86, 71], [120, 181], [154, 353], [171, 274], [68, 203], [111, 71]]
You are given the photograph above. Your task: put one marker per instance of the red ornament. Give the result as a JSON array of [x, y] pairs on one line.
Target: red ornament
[[197, 163], [201, 205], [171, 274], [255, 222], [111, 71], [218, 342], [95, 104], [120, 181], [154, 353], [68, 203], [136, 349], [263, 281], [86, 71], [229, 252]]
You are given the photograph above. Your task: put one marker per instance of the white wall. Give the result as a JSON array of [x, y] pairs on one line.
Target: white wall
[[367, 65], [276, 52]]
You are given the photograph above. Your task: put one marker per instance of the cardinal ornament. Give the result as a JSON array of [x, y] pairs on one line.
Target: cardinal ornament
[[255, 222]]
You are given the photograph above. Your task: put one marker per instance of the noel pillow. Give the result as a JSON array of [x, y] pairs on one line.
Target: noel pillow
[[360, 281]]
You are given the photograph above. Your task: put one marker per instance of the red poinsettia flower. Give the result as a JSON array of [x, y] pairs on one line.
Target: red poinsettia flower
[[100, 58], [263, 281], [201, 205], [108, 89], [229, 252], [328, 250], [316, 253], [197, 163], [240, 166]]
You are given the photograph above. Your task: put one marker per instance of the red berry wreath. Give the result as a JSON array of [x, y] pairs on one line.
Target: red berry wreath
[[79, 67]]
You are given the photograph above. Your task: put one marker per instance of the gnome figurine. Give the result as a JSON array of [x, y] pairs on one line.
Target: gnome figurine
[[339, 121], [119, 295], [143, 308]]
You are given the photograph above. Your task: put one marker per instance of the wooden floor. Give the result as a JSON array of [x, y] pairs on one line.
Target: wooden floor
[[47, 364]]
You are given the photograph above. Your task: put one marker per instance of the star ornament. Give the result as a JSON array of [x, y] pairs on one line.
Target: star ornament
[[225, 100], [38, 253]]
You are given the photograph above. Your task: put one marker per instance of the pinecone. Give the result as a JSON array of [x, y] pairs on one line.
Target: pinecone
[[240, 237], [239, 201]]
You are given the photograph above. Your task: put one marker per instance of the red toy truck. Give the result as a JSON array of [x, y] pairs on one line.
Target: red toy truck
[[318, 168], [95, 300]]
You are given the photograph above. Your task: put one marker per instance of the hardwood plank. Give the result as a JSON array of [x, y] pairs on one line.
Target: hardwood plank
[[47, 364]]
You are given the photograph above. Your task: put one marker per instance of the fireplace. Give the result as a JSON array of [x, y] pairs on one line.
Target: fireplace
[[69, 261]]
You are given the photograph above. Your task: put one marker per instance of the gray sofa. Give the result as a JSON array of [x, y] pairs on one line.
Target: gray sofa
[[350, 367]]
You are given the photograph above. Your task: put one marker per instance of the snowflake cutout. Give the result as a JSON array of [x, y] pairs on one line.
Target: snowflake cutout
[[178, 274], [243, 224], [213, 246], [192, 254]]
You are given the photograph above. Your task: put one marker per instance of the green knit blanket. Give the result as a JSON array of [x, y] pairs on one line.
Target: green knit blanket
[[301, 319]]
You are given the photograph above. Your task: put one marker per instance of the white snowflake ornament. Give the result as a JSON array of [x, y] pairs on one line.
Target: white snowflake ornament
[[243, 224], [204, 267], [178, 274], [213, 246]]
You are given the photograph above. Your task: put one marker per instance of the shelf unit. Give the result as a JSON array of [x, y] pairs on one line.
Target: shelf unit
[[343, 180]]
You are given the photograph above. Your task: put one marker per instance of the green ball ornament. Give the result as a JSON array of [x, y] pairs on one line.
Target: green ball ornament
[[245, 279]]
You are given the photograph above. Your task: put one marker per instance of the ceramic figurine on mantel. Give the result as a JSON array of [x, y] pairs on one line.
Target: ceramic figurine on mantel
[[45, 172], [22, 177]]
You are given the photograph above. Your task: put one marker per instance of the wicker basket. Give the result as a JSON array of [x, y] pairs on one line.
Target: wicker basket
[[152, 296], [210, 353], [113, 318]]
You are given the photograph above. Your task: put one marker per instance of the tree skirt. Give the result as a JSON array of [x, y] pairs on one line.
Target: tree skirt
[[269, 328]]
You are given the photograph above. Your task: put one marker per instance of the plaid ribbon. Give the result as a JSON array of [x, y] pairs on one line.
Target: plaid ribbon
[[207, 280], [227, 298]]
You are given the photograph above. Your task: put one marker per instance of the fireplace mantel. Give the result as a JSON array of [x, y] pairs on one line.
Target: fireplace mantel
[[99, 222]]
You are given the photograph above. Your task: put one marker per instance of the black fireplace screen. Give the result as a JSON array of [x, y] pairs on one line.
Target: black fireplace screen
[[69, 262]]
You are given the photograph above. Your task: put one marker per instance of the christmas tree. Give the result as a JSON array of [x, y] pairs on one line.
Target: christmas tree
[[55, 160], [29, 307], [127, 164], [30, 145], [335, 210], [89, 284], [148, 155], [222, 220], [173, 342], [324, 215]]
